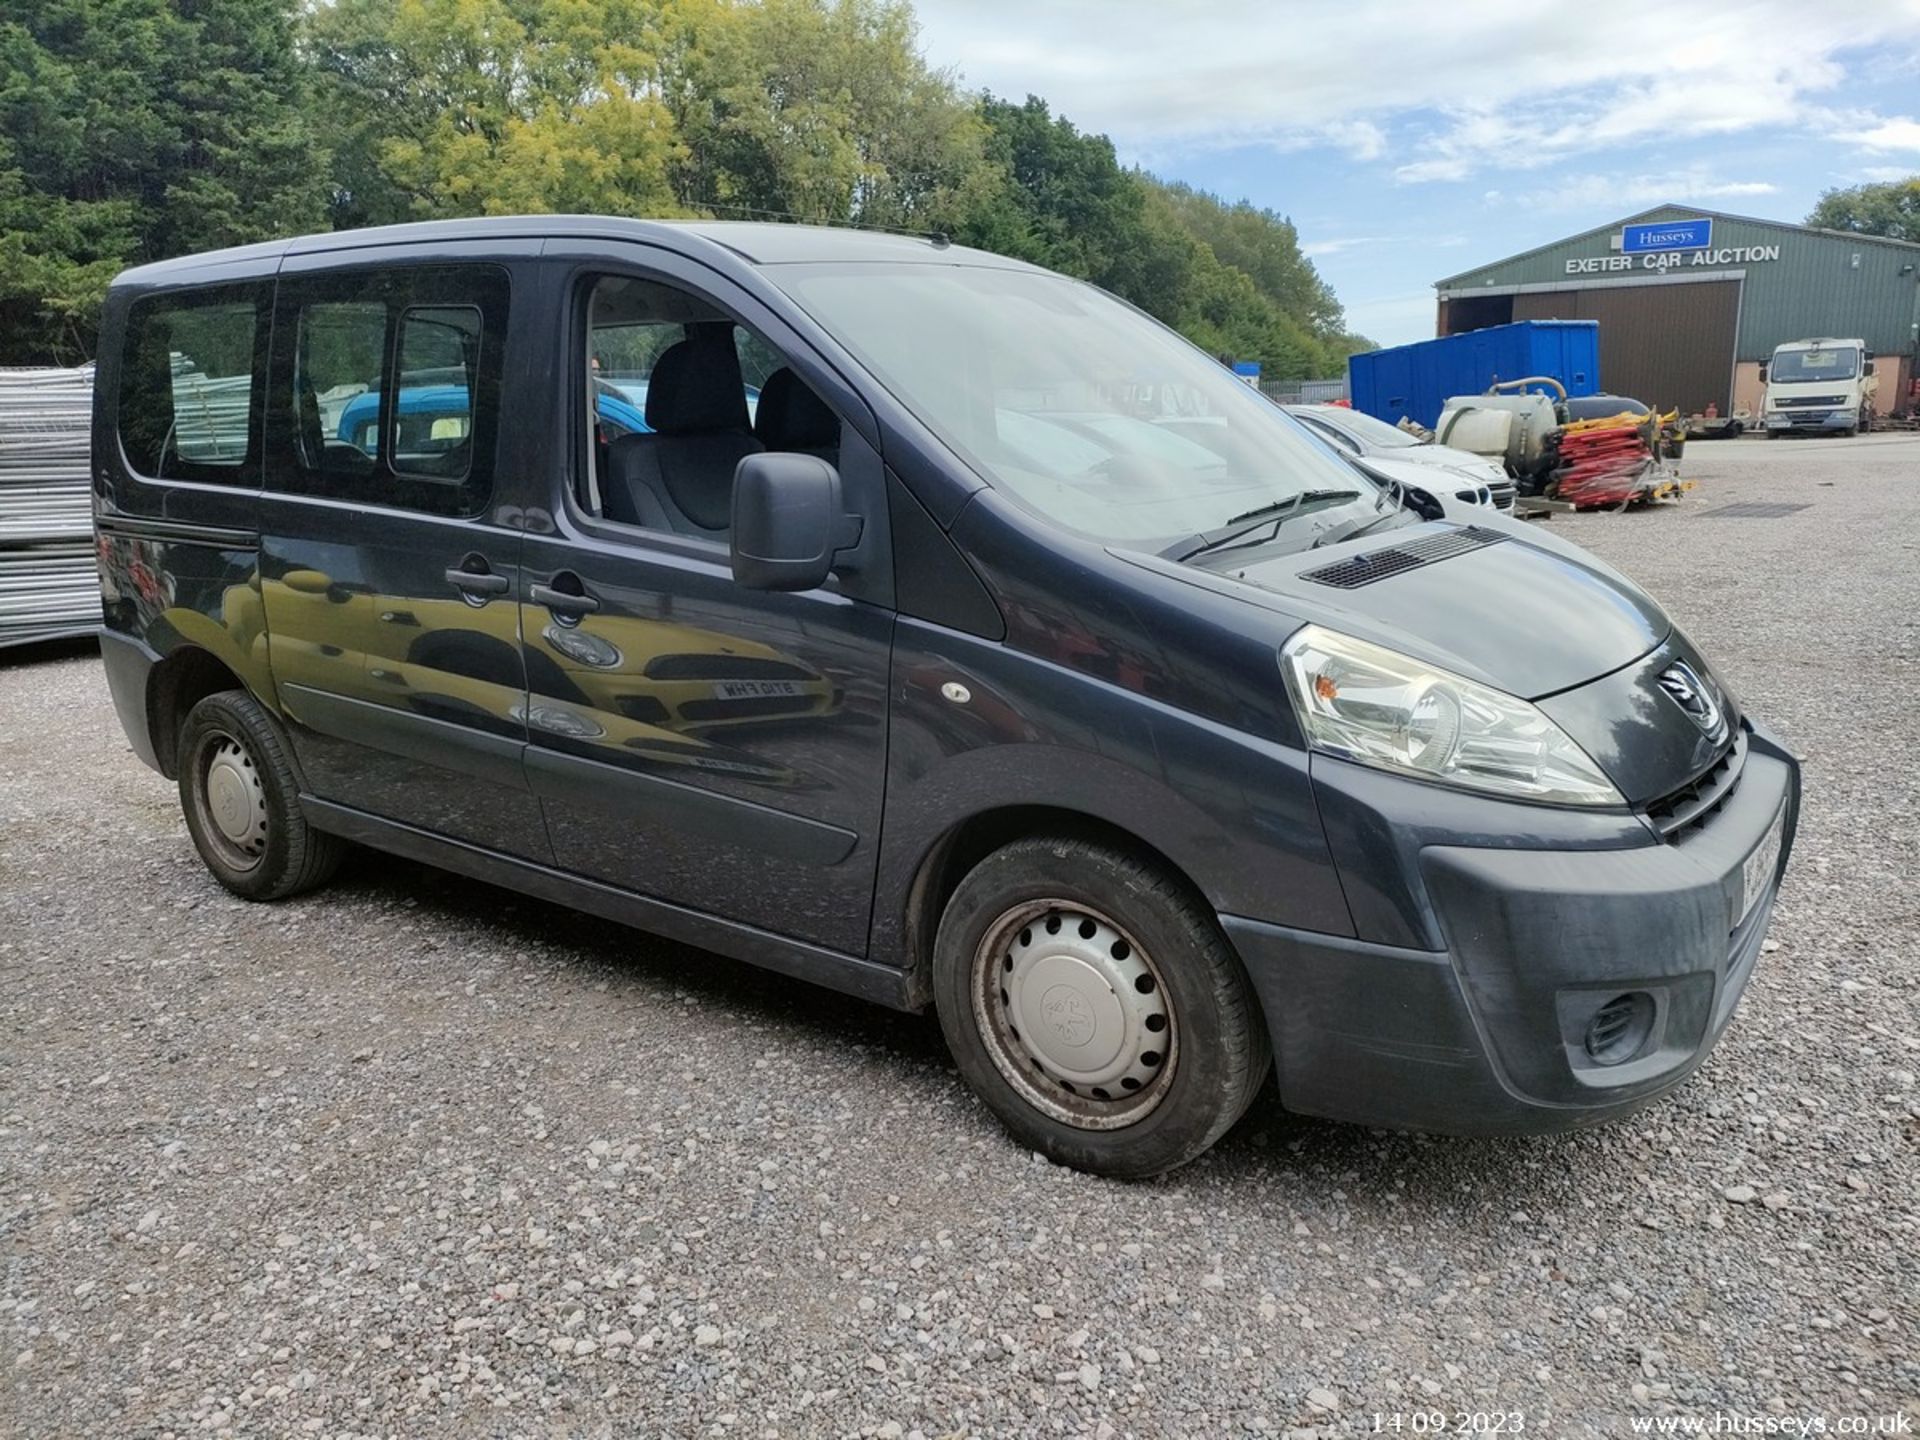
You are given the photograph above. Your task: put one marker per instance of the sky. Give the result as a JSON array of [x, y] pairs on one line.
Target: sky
[[1411, 141]]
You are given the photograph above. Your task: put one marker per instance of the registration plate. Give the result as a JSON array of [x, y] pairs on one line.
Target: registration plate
[[1756, 872], [754, 689]]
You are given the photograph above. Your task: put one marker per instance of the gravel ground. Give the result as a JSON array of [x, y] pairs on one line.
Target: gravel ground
[[416, 1156]]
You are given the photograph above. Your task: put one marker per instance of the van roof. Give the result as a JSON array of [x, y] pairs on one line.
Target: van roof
[[757, 242]]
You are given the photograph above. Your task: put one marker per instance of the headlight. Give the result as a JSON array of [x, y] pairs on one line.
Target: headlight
[[1367, 703]]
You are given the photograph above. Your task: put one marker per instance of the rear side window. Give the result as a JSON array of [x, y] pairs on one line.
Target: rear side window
[[191, 384], [387, 386]]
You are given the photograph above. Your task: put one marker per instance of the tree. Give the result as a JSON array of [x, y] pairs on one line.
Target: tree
[[135, 130], [138, 129], [1230, 278], [1891, 209], [438, 108], [799, 109], [1266, 247]]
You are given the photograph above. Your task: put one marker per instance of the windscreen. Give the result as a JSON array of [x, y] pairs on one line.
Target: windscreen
[[1375, 434], [1791, 367], [1075, 404]]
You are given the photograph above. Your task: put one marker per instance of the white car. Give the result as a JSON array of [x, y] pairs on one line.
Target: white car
[[1407, 458]]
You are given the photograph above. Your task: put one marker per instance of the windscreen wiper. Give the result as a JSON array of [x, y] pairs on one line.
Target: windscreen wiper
[[1240, 526]]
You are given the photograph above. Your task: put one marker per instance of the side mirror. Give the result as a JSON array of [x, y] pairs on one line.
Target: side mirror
[[788, 522], [307, 582], [1763, 374], [1870, 366]]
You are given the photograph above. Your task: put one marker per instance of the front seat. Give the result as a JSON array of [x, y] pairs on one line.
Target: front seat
[[680, 477], [791, 417]]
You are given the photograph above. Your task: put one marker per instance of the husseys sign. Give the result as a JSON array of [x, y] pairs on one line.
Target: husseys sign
[[1666, 244]]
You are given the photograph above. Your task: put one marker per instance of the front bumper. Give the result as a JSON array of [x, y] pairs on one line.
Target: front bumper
[[1489, 1034], [1811, 421]]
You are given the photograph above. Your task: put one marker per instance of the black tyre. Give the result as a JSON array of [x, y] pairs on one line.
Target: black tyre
[[1096, 1007], [242, 802]]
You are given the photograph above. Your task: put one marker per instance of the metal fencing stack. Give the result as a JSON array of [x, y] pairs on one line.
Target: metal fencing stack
[[49, 586]]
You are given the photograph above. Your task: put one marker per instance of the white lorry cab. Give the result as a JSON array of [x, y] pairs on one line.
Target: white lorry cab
[[1820, 386]]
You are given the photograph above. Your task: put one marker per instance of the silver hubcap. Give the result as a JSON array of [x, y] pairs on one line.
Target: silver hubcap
[[1074, 1014], [235, 800]]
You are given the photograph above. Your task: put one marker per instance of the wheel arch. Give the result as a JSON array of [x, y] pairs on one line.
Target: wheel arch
[[967, 842], [178, 682]]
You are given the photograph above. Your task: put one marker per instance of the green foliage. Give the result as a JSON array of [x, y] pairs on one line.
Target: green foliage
[[821, 112], [131, 130], [438, 108], [1230, 278], [137, 129], [1892, 209]]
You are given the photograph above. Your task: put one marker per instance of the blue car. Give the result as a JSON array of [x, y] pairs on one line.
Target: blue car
[[440, 412]]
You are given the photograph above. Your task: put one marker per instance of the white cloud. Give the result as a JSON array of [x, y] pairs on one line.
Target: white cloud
[[1313, 248], [1600, 191], [1511, 88], [1896, 134]]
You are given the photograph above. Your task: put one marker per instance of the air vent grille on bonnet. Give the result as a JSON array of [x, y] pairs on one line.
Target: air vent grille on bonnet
[[1358, 570]]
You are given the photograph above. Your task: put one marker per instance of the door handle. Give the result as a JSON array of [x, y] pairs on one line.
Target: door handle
[[470, 582], [562, 602]]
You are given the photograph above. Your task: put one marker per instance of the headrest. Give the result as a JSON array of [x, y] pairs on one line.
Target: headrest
[[695, 385], [792, 417]]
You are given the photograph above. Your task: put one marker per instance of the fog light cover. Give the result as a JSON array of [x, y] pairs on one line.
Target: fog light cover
[[1366, 703], [1620, 1028]]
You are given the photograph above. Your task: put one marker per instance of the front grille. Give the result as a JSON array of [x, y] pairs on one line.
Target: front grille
[[647, 709], [1809, 401], [724, 667], [1689, 808], [1503, 497], [1375, 565], [746, 707]]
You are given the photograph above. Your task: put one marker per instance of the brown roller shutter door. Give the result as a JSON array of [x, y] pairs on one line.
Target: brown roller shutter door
[[1669, 345]]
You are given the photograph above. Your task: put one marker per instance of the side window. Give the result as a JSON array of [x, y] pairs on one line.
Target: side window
[[1338, 436], [677, 394], [432, 426], [339, 371], [191, 382], [387, 384]]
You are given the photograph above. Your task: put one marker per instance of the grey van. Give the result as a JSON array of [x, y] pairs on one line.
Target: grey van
[[942, 630]]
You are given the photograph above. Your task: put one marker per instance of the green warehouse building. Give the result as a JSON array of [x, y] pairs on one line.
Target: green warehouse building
[[1691, 302]]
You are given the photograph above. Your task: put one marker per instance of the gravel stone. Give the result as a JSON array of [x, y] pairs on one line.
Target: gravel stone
[[583, 1182]]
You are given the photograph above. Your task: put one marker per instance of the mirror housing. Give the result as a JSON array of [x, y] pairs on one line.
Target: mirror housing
[[307, 582], [789, 524], [1763, 374]]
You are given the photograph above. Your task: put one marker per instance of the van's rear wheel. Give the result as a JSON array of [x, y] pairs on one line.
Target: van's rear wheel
[[1096, 1007], [242, 802]]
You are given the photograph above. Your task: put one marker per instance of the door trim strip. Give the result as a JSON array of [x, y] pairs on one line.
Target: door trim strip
[[440, 743], [849, 974], [141, 527], [687, 809]]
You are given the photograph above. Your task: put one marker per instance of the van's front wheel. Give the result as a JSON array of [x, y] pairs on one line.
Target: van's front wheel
[[242, 802], [1096, 1007]]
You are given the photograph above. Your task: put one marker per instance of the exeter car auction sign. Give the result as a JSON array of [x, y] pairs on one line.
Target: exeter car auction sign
[[1667, 244]]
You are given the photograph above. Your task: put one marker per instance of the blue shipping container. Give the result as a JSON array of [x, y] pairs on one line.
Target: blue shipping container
[[1416, 380]]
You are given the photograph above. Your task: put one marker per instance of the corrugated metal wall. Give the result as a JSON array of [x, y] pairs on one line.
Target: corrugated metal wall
[[1814, 288], [48, 583], [1667, 346]]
